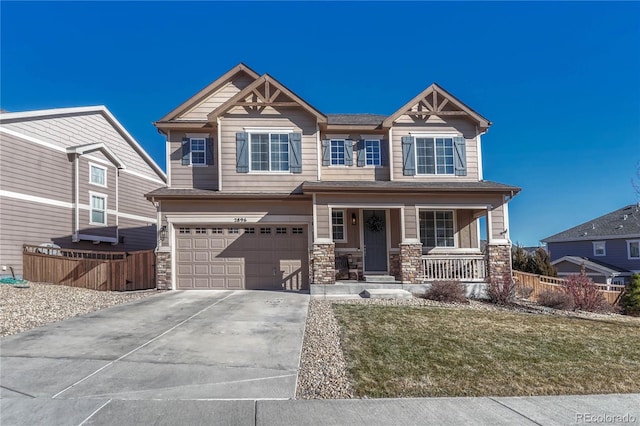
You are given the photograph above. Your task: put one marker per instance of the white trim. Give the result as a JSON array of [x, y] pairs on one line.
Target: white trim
[[344, 225], [134, 217], [99, 238], [172, 240], [204, 151], [197, 135], [435, 155], [268, 132], [344, 152], [454, 217], [479, 154], [369, 206], [318, 153], [167, 156], [91, 208], [390, 146], [377, 139], [269, 129], [35, 199], [595, 245], [104, 169], [402, 225], [505, 211], [337, 136], [231, 218], [629, 242], [218, 160], [450, 206], [314, 216]]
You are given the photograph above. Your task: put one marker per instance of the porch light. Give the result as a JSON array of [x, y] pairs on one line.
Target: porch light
[[353, 219], [163, 232]]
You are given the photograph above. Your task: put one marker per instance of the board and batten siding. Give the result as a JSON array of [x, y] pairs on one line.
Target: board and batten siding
[[217, 98], [291, 118], [83, 129], [616, 252], [405, 126], [188, 176]]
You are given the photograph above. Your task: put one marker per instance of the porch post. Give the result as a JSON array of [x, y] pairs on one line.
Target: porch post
[[498, 250], [324, 261], [410, 247]]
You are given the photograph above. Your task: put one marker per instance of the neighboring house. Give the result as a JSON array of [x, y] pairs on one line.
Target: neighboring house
[[608, 247], [265, 190], [76, 178]]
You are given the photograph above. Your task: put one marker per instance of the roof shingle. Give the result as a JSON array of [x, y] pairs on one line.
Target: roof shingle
[[621, 222]]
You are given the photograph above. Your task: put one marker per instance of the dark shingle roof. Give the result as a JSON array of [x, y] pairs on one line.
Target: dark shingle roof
[[619, 223], [356, 119], [589, 263], [399, 186]]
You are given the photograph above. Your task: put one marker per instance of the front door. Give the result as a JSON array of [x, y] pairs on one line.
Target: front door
[[374, 225]]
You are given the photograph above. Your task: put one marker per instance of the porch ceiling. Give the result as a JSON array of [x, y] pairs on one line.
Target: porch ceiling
[[484, 186]]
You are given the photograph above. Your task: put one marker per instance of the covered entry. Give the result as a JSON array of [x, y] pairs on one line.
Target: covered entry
[[269, 257]]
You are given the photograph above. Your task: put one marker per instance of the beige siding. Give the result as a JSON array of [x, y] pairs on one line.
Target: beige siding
[[199, 177], [411, 231], [81, 130], [352, 231], [498, 221], [406, 125], [467, 229], [132, 200], [266, 207], [295, 118], [217, 98], [354, 172], [323, 221]]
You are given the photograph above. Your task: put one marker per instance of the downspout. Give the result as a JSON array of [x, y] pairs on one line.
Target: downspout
[[117, 207], [318, 154], [219, 159], [390, 145], [76, 203]]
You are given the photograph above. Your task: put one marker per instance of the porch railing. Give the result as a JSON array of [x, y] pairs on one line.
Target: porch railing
[[454, 267]]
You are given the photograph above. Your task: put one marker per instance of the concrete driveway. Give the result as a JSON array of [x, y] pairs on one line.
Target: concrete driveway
[[195, 345]]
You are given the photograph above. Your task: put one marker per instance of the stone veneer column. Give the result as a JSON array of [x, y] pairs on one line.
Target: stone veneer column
[[394, 266], [498, 261], [324, 263], [411, 263], [163, 270]]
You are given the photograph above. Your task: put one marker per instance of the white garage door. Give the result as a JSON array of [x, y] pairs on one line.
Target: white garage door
[[270, 257]]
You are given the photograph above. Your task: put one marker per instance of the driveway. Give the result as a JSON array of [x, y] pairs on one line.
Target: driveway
[[189, 345]]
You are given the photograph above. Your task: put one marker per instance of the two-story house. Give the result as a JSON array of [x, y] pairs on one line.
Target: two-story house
[[607, 247], [73, 178], [265, 191]]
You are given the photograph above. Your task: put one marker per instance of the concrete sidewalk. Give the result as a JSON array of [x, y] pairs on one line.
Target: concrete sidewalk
[[543, 410]]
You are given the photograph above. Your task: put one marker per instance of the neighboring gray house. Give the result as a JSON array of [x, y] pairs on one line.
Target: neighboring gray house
[[608, 247], [73, 177]]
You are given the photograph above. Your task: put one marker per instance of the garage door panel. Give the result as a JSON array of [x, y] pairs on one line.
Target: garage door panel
[[234, 269], [200, 256], [185, 256], [201, 283], [184, 243], [200, 243], [201, 269]]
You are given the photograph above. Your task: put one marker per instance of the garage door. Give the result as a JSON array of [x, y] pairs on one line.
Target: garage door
[[226, 257]]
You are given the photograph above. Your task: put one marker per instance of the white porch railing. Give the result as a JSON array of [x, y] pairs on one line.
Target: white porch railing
[[454, 267]]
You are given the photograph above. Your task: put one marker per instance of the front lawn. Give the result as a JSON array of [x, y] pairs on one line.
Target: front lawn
[[427, 351]]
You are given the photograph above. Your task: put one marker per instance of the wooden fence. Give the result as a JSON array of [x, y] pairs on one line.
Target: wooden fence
[[96, 270], [540, 283]]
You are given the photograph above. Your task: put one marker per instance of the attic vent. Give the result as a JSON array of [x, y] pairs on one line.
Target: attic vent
[[625, 217], [584, 234], [593, 226], [619, 227]]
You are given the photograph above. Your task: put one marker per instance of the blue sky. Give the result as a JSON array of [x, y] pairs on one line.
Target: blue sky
[[560, 81]]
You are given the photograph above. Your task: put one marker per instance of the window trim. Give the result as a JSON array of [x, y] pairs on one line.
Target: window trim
[[448, 135], [604, 248], [268, 132], [366, 160], [343, 225], [91, 208], [629, 242], [103, 168], [204, 151], [454, 221], [344, 152]]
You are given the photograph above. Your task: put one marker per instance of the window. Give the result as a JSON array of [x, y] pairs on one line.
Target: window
[[265, 230], [216, 230], [233, 230], [198, 151], [599, 248], [296, 230], [434, 156], [184, 230], [97, 175], [98, 209], [337, 225], [436, 228], [281, 230], [633, 249], [249, 230], [201, 230], [269, 152], [372, 152], [337, 152]]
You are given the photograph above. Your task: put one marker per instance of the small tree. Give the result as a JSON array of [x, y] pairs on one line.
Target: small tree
[[541, 263], [519, 259], [630, 300], [584, 293]]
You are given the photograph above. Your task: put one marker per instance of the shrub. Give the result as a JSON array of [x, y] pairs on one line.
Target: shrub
[[556, 300], [630, 300], [524, 292], [502, 290], [447, 291], [585, 294]]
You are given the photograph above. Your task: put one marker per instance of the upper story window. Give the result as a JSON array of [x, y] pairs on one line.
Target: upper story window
[[372, 152], [599, 248], [437, 228], [269, 152], [97, 175], [434, 156], [198, 151], [98, 212], [337, 152], [337, 226], [633, 249]]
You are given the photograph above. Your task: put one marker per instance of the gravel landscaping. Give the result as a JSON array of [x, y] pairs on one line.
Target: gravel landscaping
[[323, 370], [24, 308]]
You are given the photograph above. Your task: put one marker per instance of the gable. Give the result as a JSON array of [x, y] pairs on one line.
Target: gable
[[434, 105]]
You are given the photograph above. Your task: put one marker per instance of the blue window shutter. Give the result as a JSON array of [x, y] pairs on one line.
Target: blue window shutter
[[209, 150], [460, 156], [326, 152], [295, 152], [242, 152], [361, 154], [348, 152], [408, 156], [186, 151], [384, 153]]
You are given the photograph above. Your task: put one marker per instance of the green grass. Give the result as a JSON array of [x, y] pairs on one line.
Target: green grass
[[426, 351]]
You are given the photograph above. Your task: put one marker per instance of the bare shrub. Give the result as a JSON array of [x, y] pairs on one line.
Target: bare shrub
[[524, 292], [447, 291], [502, 290], [556, 300], [585, 294]]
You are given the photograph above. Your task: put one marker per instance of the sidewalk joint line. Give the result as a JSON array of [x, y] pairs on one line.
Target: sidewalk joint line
[[94, 413], [515, 411]]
